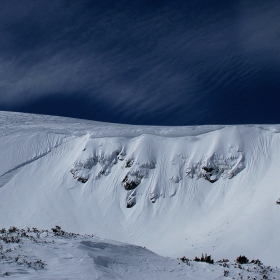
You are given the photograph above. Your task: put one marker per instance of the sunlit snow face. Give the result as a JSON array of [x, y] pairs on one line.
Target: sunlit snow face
[[182, 62]]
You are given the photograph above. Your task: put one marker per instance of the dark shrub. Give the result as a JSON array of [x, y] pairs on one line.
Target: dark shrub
[[205, 258], [242, 259], [257, 262], [208, 259], [185, 260], [12, 229], [56, 229]]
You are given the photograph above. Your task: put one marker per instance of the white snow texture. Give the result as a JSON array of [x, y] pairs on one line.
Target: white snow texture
[[173, 190]]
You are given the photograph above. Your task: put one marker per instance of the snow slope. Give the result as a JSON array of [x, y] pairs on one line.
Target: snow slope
[[42, 254], [175, 190]]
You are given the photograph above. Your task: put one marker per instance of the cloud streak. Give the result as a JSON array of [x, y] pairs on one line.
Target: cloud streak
[[157, 64]]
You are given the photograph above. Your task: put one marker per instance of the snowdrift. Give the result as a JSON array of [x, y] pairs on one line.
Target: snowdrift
[[175, 190]]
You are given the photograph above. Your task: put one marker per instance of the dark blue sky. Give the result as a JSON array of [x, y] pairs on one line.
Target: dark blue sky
[[142, 62]]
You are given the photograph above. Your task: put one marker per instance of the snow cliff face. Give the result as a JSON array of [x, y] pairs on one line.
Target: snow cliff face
[[138, 160], [175, 190]]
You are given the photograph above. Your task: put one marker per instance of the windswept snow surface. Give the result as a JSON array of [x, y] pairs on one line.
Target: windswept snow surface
[[40, 254], [174, 190]]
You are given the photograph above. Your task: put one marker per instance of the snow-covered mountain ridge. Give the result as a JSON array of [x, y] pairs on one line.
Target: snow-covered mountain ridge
[[149, 160], [175, 190]]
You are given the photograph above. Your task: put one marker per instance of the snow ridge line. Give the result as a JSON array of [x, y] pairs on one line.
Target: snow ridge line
[[33, 159]]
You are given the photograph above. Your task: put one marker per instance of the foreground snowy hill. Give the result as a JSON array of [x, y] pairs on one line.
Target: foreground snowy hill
[[174, 190], [42, 254]]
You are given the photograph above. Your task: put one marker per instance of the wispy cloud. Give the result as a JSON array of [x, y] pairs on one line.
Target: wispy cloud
[[174, 62]]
